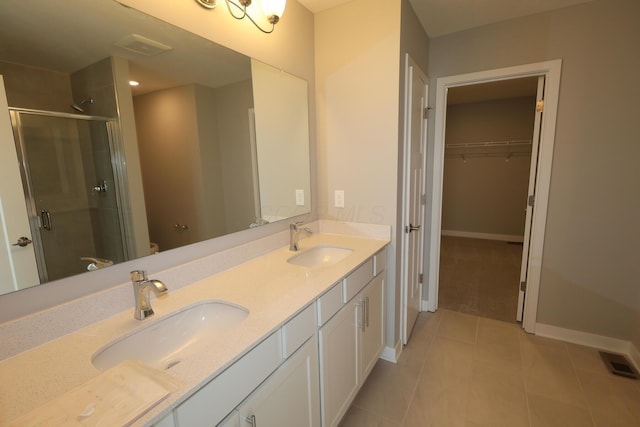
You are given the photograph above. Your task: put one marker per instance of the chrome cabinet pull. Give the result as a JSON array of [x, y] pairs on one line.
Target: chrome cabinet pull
[[252, 420], [22, 242], [361, 320], [366, 311]]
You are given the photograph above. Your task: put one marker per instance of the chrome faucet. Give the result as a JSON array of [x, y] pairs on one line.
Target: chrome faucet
[[141, 287], [294, 234]]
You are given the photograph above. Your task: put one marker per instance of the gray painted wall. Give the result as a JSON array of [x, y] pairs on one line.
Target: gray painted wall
[[589, 268], [487, 194]]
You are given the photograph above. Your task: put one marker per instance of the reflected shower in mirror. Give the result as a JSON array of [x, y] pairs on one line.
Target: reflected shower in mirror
[[209, 142]]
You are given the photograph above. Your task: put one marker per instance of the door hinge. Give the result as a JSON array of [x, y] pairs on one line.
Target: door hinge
[[539, 106], [421, 278], [523, 286], [426, 112], [423, 199], [531, 200]]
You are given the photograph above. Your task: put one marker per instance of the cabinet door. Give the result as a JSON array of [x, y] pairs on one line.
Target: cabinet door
[[372, 339], [339, 363], [167, 421], [232, 420], [289, 397]]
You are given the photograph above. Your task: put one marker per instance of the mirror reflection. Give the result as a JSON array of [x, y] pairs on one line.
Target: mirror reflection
[[209, 142]]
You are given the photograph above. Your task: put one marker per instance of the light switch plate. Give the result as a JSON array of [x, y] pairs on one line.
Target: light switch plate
[[339, 198], [299, 197]]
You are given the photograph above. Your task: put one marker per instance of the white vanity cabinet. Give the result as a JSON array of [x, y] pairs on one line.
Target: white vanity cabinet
[[290, 397], [308, 372], [339, 363], [351, 342], [372, 333], [212, 403], [167, 421]]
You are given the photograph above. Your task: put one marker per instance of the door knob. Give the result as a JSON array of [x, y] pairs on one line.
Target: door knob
[[409, 228], [22, 242]]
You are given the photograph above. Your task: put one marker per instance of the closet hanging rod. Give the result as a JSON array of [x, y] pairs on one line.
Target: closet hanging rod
[[489, 144]]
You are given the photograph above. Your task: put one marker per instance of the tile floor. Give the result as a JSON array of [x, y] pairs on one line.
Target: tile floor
[[467, 371], [480, 277]]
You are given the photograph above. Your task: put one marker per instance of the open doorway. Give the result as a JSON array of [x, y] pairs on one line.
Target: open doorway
[[537, 201], [488, 152]]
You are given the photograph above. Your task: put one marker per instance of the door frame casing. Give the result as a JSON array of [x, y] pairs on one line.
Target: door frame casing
[[551, 70], [410, 67]]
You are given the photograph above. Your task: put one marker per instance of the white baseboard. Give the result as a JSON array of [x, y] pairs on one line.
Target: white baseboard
[[391, 354], [486, 236], [424, 305], [613, 345]]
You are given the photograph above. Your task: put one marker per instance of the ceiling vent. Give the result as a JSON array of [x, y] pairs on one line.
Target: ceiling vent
[[142, 45]]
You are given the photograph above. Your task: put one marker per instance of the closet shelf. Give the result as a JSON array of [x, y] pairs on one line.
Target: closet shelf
[[506, 156], [490, 144]]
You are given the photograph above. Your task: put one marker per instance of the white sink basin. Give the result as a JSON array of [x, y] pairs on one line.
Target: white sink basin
[[166, 342], [320, 256]]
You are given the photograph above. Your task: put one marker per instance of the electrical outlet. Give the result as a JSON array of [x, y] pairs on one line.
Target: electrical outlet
[[299, 197], [339, 198]]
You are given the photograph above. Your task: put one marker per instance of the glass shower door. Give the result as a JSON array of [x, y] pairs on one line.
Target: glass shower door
[[70, 191]]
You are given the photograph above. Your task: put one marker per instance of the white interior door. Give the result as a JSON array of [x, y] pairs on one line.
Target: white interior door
[[531, 196], [414, 166], [18, 267]]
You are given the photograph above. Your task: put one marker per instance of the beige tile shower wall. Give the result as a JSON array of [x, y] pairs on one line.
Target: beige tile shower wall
[[487, 194], [590, 268], [96, 81], [36, 88]]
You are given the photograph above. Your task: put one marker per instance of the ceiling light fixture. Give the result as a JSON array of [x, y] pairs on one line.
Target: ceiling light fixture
[[133, 83], [272, 9]]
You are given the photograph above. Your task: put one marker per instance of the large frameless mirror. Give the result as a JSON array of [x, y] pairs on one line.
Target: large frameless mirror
[[209, 142]]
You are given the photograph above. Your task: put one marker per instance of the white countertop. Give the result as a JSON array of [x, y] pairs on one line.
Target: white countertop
[[270, 288]]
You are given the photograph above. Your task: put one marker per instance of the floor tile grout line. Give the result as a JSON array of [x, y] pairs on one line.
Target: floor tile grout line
[[473, 360], [415, 388], [582, 389], [524, 381]]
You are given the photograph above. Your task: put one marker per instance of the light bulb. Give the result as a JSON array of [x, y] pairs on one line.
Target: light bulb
[[273, 9]]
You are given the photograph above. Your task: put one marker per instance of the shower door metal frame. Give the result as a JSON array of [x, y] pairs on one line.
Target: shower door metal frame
[[35, 221]]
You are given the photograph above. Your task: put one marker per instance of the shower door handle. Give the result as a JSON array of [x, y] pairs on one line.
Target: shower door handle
[[22, 242], [45, 218], [409, 228]]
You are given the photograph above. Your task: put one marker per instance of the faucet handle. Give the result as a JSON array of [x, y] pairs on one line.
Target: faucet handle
[[138, 276]]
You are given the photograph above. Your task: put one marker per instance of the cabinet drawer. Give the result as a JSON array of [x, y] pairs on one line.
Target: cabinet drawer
[[330, 303], [297, 330], [379, 262], [215, 400], [357, 280]]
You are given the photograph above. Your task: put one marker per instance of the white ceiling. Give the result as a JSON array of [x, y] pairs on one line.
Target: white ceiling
[[440, 17]]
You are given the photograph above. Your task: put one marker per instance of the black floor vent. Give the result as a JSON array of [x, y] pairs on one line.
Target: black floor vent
[[619, 365]]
